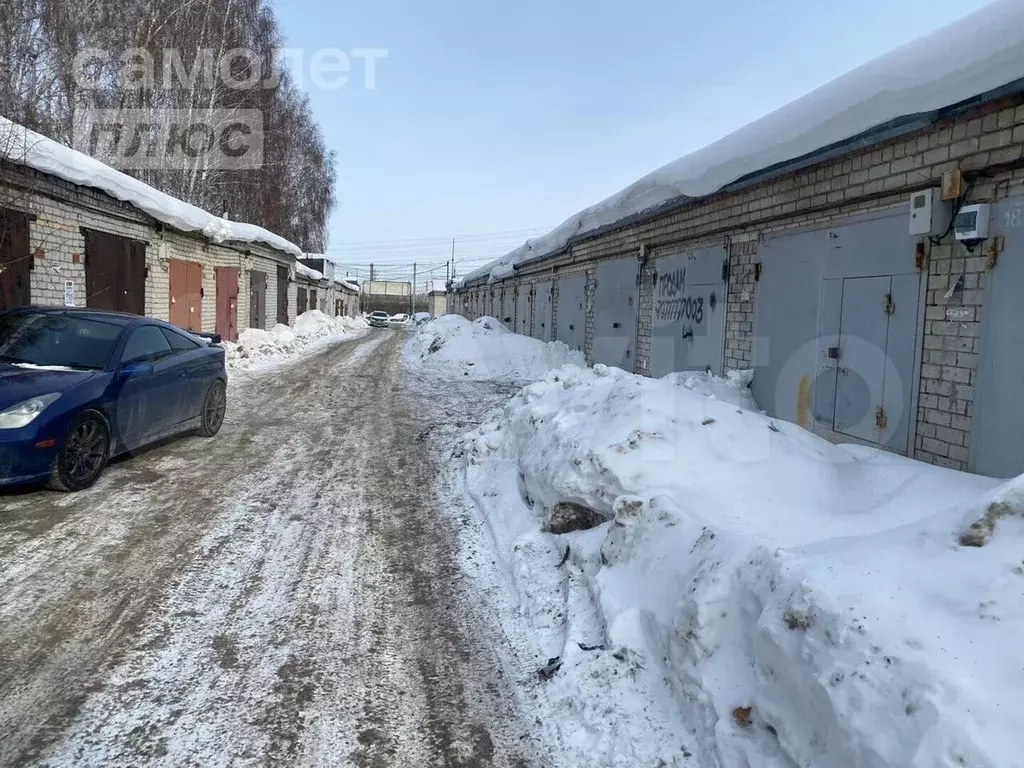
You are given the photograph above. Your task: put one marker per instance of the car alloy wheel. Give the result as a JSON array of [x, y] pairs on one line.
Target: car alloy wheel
[[84, 455], [214, 407]]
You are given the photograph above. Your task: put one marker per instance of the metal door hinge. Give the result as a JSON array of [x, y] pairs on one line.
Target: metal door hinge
[[881, 420], [889, 307]]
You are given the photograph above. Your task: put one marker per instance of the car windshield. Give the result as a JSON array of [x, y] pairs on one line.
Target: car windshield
[[48, 339], [380, 314]]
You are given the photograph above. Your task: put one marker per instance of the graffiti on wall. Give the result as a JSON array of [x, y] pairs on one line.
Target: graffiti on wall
[[674, 303]]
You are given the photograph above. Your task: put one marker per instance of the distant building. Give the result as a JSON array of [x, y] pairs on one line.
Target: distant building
[[437, 298]]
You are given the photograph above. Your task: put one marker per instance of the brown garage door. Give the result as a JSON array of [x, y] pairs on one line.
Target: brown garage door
[[15, 260], [300, 301], [227, 302], [115, 272], [186, 294]]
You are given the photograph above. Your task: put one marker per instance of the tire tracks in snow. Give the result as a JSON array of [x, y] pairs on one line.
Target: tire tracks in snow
[[286, 593]]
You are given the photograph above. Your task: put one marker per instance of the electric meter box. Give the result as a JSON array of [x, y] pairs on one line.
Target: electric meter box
[[972, 222], [929, 213]]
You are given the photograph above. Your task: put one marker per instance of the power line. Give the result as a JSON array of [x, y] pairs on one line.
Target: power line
[[511, 233]]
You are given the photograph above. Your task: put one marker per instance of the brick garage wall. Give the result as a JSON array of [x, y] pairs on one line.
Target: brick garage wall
[[739, 309], [988, 138], [645, 317], [950, 363], [867, 180], [62, 209]]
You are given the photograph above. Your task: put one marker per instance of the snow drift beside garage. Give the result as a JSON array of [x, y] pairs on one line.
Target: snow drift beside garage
[[483, 349], [745, 593], [968, 58], [257, 348], [21, 146]]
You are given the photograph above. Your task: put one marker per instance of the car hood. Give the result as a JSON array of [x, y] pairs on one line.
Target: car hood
[[18, 383]]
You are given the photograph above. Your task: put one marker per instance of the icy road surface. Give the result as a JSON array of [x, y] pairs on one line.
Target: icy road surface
[[287, 593]]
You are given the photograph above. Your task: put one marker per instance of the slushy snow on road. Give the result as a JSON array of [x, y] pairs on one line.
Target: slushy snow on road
[[484, 349], [705, 586]]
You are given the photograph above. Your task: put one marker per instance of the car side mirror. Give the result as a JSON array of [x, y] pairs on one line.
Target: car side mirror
[[136, 370]]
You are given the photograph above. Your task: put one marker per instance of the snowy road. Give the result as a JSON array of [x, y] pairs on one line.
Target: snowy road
[[287, 593]]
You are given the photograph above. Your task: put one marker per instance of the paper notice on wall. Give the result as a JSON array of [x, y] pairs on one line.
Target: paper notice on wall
[[69, 293]]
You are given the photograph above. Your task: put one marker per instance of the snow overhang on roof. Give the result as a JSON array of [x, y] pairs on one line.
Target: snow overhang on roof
[[308, 272], [25, 147], [980, 55]]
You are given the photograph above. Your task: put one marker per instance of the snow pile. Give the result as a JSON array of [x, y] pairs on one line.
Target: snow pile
[[916, 78], [257, 348], [484, 349], [705, 583], [22, 146], [734, 388]]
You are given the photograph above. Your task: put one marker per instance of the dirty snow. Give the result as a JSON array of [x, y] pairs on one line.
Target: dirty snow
[[483, 349], [749, 594], [22, 146], [918, 77], [258, 349]]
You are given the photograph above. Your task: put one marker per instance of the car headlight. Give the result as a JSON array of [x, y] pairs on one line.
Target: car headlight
[[25, 412]]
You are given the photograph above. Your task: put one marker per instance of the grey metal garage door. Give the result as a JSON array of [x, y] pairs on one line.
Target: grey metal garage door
[[523, 301], [571, 316], [615, 312], [542, 311], [997, 447], [838, 328], [506, 307], [689, 311]]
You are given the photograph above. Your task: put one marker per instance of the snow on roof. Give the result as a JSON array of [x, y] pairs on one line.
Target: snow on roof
[[965, 59], [437, 286], [22, 146], [312, 274], [347, 285]]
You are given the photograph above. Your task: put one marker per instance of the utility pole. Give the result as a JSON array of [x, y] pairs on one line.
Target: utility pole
[[453, 258], [413, 289], [371, 273]]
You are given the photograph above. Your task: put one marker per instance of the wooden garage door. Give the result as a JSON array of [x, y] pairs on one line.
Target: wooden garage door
[[115, 272], [186, 294], [15, 260]]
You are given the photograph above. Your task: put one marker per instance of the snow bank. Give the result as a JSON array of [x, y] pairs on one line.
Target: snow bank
[[257, 348], [483, 349], [745, 593], [916, 78], [21, 146], [734, 388]]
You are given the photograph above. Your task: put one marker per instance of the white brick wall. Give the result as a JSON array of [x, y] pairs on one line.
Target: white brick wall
[[62, 210]]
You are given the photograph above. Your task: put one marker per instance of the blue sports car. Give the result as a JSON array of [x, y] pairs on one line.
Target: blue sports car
[[78, 386]]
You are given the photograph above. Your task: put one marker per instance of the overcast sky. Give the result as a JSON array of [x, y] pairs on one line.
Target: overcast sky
[[507, 118]]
